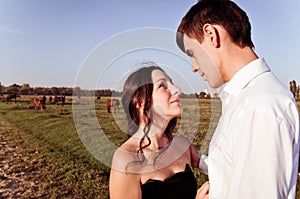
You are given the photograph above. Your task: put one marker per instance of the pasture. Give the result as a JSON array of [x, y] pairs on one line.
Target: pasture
[[66, 168]]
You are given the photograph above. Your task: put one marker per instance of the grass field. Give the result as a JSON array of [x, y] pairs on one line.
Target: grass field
[[71, 171]]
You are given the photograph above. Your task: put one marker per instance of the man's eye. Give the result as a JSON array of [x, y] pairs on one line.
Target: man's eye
[[190, 54]]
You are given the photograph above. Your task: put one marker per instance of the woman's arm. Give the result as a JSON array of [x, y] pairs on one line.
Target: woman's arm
[[124, 185], [195, 156]]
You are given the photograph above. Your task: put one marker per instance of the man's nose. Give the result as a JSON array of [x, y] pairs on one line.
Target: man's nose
[[195, 68]]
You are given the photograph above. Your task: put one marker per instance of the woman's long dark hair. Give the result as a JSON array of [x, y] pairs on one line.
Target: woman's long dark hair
[[138, 90]]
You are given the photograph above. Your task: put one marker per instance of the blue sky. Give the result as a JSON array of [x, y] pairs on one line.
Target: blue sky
[[46, 42]]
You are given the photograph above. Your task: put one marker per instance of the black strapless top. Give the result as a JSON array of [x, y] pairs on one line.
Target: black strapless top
[[181, 185]]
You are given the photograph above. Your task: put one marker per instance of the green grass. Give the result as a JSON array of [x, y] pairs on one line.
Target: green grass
[[73, 170]]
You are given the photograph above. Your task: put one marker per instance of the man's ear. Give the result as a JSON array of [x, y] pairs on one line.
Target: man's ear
[[212, 34]]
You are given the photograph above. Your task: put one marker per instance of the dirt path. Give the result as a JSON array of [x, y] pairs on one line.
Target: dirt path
[[21, 169]]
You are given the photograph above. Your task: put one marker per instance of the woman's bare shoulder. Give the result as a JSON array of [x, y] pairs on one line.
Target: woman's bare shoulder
[[124, 155], [181, 139]]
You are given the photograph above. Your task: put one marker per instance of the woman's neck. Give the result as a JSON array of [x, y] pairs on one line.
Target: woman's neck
[[156, 135]]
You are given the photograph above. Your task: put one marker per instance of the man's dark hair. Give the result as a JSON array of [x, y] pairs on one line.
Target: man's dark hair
[[219, 12]]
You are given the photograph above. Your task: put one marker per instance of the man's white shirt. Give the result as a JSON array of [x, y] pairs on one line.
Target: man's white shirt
[[254, 151]]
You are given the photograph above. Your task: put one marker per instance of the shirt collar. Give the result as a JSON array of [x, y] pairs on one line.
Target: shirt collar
[[241, 79]]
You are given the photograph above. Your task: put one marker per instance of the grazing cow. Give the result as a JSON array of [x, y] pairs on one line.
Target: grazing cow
[[112, 103], [10, 97], [50, 99], [44, 99], [61, 99], [38, 103]]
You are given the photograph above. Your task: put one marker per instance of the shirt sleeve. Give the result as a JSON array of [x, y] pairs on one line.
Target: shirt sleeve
[[263, 148], [203, 164]]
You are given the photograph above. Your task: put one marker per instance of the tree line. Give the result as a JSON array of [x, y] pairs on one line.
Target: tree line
[[26, 89]]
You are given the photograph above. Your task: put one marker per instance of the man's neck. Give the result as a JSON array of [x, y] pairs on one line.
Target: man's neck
[[236, 59]]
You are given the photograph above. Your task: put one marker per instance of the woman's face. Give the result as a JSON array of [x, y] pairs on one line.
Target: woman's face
[[165, 96]]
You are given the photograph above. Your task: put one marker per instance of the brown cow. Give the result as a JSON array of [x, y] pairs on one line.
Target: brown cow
[[38, 104], [112, 103], [58, 99]]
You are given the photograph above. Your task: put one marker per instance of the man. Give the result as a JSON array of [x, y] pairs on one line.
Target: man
[[255, 148]]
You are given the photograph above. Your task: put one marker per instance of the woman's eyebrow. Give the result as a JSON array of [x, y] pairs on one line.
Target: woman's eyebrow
[[160, 79], [164, 79]]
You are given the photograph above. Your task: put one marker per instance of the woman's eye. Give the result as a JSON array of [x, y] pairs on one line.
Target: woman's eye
[[162, 85]]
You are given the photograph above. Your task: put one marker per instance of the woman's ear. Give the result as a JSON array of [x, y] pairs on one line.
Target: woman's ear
[[211, 33], [140, 105]]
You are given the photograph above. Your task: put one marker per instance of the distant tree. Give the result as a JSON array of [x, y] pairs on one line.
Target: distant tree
[[98, 94], [65, 91], [26, 91], [77, 92], [54, 91], [38, 90], [107, 92], [68, 91], [13, 89], [47, 91], [116, 93], [293, 87], [25, 86]]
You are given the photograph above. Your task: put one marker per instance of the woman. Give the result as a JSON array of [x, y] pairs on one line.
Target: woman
[[152, 163]]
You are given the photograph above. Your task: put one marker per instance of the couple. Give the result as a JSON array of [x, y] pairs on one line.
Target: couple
[[255, 148]]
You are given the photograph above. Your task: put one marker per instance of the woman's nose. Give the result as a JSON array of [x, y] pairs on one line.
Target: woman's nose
[[175, 89]]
